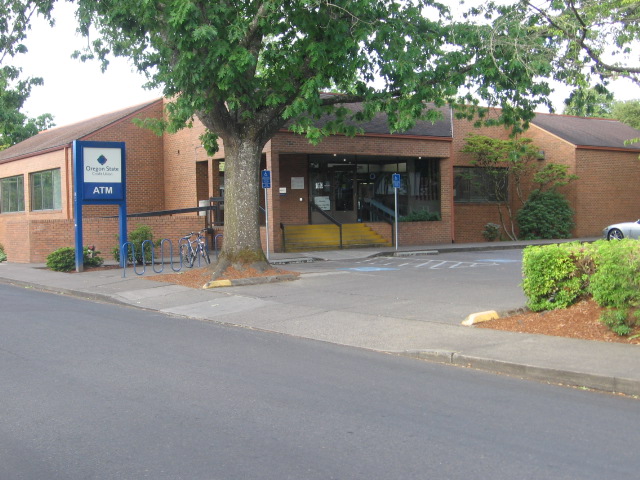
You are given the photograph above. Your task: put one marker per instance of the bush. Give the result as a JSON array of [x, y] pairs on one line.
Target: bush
[[64, 259], [136, 238], [616, 281], [545, 215], [491, 231], [3, 256], [555, 276], [615, 284], [420, 216]]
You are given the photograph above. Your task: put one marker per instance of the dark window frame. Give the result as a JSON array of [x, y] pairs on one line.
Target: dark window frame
[[12, 187], [480, 185], [46, 192]]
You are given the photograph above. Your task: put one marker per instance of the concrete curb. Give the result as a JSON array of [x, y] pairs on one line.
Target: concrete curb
[[544, 374], [104, 298], [250, 281]]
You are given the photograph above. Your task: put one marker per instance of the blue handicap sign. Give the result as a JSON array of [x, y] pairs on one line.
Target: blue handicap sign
[[266, 179], [395, 178]]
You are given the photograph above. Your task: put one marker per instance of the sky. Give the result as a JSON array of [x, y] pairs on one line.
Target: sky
[[74, 91]]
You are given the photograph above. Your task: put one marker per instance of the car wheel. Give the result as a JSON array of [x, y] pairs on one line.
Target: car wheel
[[615, 234]]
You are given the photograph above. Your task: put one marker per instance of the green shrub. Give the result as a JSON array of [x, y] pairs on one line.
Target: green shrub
[[618, 321], [616, 281], [3, 256], [420, 216], [491, 231], [545, 215], [64, 259], [556, 276], [137, 237]]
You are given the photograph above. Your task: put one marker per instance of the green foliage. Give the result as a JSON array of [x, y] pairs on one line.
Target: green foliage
[[545, 215], [555, 276], [136, 238], [64, 259], [491, 231], [420, 216], [618, 321], [3, 255], [552, 176], [616, 281], [627, 112], [589, 102]]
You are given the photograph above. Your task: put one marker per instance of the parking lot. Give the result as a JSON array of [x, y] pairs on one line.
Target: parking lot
[[436, 288]]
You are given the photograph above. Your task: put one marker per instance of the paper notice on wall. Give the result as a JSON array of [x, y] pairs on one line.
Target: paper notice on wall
[[297, 183]]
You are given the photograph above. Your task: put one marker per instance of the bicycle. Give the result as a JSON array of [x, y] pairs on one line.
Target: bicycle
[[192, 248]]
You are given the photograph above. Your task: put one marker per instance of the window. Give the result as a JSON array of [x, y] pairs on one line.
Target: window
[[45, 190], [480, 185], [12, 194]]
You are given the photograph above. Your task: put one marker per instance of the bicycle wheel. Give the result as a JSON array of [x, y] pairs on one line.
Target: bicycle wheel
[[186, 255], [205, 253]]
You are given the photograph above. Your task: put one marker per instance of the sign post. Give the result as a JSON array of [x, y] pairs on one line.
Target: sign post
[[99, 179], [395, 178], [266, 184]]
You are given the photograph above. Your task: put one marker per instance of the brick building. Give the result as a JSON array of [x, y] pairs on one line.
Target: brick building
[[343, 179]]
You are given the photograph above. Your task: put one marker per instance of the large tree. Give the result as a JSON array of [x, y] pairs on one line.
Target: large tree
[[15, 18], [247, 68]]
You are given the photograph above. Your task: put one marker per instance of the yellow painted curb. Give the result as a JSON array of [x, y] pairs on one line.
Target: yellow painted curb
[[480, 317], [217, 283]]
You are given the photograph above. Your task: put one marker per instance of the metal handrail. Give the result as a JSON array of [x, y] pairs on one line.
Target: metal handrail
[[315, 207], [388, 216]]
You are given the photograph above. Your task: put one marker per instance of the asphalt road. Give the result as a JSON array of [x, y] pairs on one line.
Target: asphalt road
[[97, 391]]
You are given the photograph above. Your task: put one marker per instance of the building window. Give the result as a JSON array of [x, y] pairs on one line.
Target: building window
[[45, 190], [12, 194], [480, 185]]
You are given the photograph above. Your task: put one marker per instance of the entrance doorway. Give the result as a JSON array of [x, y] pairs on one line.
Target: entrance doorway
[[333, 191], [353, 189]]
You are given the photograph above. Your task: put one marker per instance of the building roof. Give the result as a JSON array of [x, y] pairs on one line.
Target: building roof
[[379, 126], [588, 132], [59, 137]]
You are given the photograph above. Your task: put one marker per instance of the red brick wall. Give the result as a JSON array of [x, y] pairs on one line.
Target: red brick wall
[[292, 209], [32, 241], [606, 189]]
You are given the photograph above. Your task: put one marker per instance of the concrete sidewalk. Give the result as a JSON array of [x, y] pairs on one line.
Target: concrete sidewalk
[[598, 365]]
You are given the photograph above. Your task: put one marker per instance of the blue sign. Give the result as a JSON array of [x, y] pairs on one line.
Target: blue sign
[[266, 179], [395, 178], [99, 178]]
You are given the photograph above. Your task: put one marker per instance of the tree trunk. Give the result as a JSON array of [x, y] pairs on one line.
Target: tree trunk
[[242, 247]]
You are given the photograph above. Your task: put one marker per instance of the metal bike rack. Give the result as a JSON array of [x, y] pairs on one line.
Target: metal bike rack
[[130, 247]]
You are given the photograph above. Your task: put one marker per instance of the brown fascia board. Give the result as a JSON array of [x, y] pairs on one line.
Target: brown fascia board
[[68, 144], [608, 149], [36, 153]]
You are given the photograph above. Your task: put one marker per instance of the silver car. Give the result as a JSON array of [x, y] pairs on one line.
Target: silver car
[[622, 230]]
